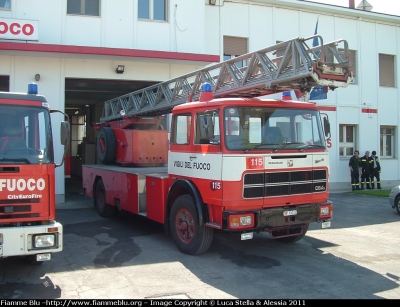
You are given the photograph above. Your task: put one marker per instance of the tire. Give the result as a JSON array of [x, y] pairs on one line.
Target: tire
[[106, 145], [292, 239], [103, 209], [189, 236], [397, 205]]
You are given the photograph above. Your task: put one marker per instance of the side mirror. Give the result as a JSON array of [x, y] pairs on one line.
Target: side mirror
[[64, 134], [206, 126], [327, 127]]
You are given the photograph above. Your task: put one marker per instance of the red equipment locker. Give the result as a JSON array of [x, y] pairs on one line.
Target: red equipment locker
[[156, 195]]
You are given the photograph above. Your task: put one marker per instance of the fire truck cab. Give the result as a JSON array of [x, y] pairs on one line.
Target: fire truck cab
[[27, 177]]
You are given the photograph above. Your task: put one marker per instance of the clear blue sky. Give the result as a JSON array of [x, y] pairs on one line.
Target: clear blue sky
[[391, 7]]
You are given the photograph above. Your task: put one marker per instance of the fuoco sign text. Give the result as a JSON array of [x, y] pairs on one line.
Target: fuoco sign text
[[19, 29]]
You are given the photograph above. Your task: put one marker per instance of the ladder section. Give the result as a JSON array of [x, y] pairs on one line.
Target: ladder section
[[285, 66]]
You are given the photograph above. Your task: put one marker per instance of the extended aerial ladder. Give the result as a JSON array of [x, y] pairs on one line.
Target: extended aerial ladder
[[289, 65]]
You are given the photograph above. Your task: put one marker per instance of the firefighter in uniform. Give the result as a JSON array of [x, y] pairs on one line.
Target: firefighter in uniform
[[366, 162], [375, 171], [355, 164]]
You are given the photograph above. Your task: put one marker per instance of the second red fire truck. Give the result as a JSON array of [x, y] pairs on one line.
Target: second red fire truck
[[27, 177], [232, 161]]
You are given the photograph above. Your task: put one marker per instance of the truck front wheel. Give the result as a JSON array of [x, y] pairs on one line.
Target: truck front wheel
[[104, 209], [189, 236], [303, 230]]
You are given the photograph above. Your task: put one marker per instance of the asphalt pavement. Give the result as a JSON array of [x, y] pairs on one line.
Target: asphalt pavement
[[130, 257]]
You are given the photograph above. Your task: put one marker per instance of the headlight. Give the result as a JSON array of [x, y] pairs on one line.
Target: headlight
[[241, 221], [325, 211], [44, 240]]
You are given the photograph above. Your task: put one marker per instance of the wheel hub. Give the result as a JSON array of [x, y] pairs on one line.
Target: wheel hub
[[185, 225]]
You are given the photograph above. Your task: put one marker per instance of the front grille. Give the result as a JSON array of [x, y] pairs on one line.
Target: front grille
[[258, 185], [9, 209]]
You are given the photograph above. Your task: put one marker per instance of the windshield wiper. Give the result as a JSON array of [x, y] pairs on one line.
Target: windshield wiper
[[17, 160], [257, 146], [308, 146], [283, 145], [305, 146]]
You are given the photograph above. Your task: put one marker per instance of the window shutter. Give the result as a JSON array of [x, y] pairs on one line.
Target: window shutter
[[386, 70], [235, 45]]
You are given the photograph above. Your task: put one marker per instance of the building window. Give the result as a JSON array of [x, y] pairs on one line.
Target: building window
[[386, 70], [347, 140], [152, 9], [83, 7], [4, 83], [234, 47], [387, 139], [5, 4]]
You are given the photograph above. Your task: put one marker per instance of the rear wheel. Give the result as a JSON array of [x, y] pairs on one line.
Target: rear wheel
[[106, 145], [104, 209], [189, 236], [303, 230]]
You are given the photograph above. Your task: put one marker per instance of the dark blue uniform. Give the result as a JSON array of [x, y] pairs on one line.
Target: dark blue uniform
[[375, 171], [366, 162], [355, 164]]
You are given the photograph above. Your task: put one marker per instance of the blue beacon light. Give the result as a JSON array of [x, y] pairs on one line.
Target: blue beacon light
[[32, 88], [206, 87], [206, 92]]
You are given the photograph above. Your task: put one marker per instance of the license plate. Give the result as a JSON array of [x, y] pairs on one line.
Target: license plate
[[326, 224], [246, 236], [289, 212], [43, 257]]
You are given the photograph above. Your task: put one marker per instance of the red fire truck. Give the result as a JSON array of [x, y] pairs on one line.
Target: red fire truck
[[231, 161], [27, 169]]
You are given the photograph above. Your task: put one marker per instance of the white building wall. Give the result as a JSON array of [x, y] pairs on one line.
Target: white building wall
[[196, 27], [212, 32], [118, 26]]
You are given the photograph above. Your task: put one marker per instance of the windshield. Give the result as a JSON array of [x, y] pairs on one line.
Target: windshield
[[25, 135], [249, 128]]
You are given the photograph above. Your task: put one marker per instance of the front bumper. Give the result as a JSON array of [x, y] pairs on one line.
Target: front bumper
[[18, 241], [272, 218]]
